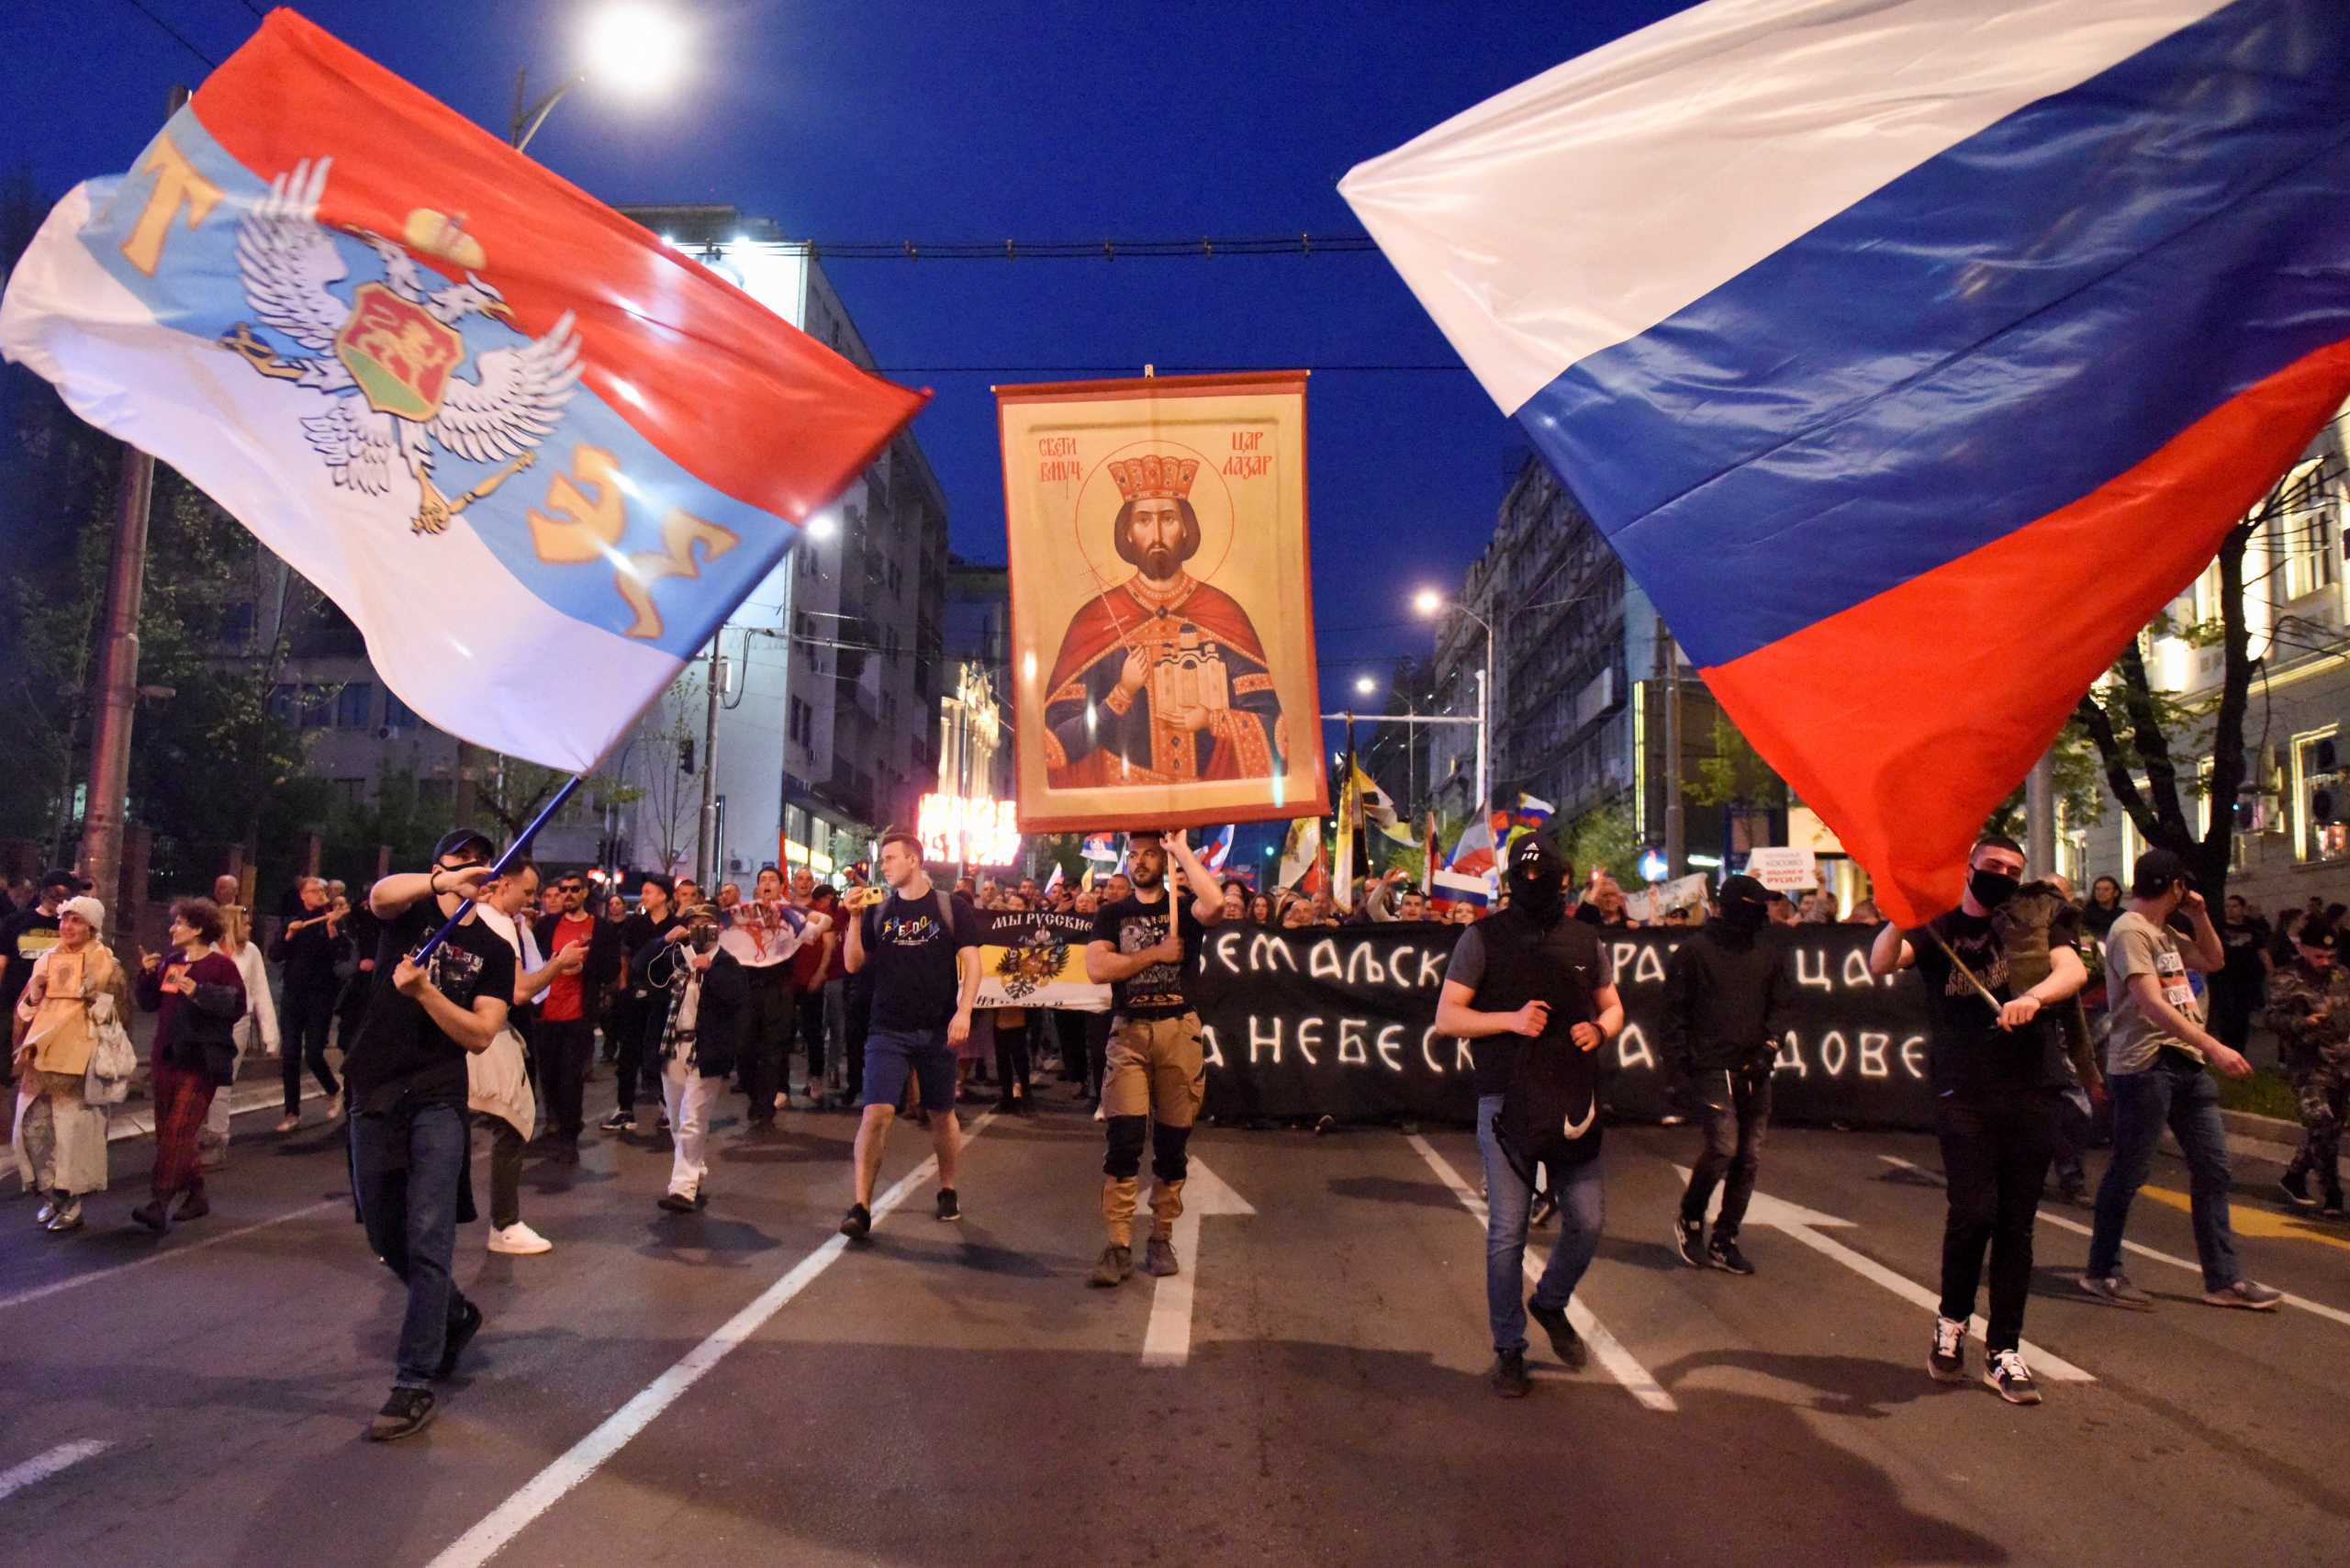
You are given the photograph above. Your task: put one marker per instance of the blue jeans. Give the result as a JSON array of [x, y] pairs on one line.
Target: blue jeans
[[2189, 1104], [1581, 1209], [407, 1200]]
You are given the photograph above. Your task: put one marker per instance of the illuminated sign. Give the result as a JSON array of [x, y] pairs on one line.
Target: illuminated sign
[[973, 831]]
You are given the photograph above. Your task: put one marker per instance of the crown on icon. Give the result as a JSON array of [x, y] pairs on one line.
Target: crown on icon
[[1155, 478]]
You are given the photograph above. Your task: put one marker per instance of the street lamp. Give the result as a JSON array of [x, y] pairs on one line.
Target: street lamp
[[1365, 686], [637, 47], [1428, 603]]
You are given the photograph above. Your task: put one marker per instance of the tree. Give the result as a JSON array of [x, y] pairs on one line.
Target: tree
[[670, 799], [2136, 728], [1604, 838]]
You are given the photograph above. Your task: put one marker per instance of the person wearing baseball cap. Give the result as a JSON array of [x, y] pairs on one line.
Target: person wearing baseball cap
[[1726, 995], [405, 1084], [2155, 1062], [2309, 1011]]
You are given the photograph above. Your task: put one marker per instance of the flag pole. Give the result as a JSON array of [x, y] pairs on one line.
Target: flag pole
[[521, 842]]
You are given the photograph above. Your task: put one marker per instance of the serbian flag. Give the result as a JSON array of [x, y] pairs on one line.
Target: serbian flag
[[1912, 355], [536, 456]]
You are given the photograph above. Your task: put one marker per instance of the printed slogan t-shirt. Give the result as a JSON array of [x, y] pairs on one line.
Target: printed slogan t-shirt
[[910, 954], [1131, 926], [2136, 945]]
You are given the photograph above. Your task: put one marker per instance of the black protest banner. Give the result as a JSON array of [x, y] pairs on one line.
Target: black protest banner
[[1305, 1023]]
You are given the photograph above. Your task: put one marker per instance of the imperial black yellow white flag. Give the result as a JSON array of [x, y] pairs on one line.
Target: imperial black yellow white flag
[[1162, 617]]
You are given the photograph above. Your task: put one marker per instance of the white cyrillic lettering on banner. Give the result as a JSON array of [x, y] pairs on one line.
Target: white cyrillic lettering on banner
[[1309, 1035], [1261, 1041], [1323, 962], [1813, 973], [1391, 1046], [1872, 1054], [1833, 1053], [1632, 1048]]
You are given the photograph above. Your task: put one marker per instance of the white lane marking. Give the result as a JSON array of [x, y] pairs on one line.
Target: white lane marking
[[164, 1254], [42, 1466], [2189, 1264], [1605, 1348], [1168, 1341], [546, 1488], [1803, 1225]]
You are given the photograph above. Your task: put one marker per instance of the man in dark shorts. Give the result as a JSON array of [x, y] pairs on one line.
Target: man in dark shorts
[[920, 945]]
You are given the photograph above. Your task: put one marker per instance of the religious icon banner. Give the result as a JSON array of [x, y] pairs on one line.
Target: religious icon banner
[[1163, 613]]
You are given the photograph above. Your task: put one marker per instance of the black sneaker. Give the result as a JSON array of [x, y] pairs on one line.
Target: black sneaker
[[408, 1411], [1947, 1361], [1722, 1253], [1688, 1239], [1508, 1377], [2004, 1370], [461, 1329], [618, 1122], [2295, 1186], [949, 1208], [2333, 1209], [1565, 1343], [679, 1203], [857, 1224]]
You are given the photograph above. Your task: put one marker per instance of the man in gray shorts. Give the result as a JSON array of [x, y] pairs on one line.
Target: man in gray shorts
[[922, 943]]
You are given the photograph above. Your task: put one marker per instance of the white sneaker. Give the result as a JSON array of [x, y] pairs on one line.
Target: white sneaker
[[518, 1240], [289, 1124]]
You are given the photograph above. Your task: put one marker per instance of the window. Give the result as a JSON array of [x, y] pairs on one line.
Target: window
[[2321, 799], [398, 714], [355, 705], [2305, 534], [237, 624], [318, 706], [351, 792], [803, 724]]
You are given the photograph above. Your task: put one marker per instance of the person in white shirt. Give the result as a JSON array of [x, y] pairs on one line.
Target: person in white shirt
[[761, 936], [499, 1080]]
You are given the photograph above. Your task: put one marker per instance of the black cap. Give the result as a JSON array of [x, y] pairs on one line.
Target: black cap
[[659, 879], [2316, 935], [1533, 857], [2156, 869], [1743, 889], [59, 877], [459, 838]]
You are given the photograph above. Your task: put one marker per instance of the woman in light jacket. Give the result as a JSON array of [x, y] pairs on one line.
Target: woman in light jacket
[[258, 1024], [73, 987]]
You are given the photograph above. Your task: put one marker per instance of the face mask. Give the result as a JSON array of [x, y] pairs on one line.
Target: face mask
[[1539, 896], [1991, 889], [1743, 915]]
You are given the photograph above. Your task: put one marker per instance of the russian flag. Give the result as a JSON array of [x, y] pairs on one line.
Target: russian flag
[[534, 453], [1457, 887], [1217, 849], [1911, 354], [1472, 852]]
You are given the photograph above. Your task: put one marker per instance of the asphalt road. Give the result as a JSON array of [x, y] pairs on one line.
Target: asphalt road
[[739, 1386]]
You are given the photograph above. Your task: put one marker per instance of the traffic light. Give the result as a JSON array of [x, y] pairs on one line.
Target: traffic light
[[686, 754]]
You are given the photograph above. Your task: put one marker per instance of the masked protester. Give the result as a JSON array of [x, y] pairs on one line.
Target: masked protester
[[704, 997], [2156, 1060], [1534, 994], [1999, 1072], [1726, 993], [2309, 1011]]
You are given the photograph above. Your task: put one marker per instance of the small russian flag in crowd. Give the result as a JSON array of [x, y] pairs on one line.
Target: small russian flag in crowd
[[489, 417], [1217, 849], [1912, 354]]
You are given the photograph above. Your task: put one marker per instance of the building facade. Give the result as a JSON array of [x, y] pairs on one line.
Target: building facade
[[2291, 836]]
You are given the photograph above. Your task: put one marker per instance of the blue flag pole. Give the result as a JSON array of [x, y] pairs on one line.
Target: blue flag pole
[[520, 843]]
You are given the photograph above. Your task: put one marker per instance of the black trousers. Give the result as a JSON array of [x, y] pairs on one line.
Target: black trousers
[[1068, 1036], [1996, 1150], [309, 1014], [2233, 1004], [564, 1048], [1097, 1052], [766, 1063], [1012, 1056], [1734, 1112], [812, 1035], [627, 1021], [859, 1016]]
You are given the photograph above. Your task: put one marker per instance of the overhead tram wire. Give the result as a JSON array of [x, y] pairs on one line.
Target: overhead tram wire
[[178, 37], [1201, 248]]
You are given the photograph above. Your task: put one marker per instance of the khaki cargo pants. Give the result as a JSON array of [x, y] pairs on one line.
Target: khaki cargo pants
[[1156, 1069]]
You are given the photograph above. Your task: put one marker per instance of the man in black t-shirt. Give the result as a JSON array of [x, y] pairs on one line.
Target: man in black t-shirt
[[920, 947], [405, 1080], [1532, 978], [635, 1017], [1156, 1071], [2000, 1072], [2239, 988]]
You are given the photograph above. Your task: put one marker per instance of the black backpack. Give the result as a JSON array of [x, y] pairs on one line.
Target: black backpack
[[1550, 1112]]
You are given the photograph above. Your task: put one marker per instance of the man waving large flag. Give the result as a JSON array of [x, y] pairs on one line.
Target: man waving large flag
[[1912, 353], [486, 415]]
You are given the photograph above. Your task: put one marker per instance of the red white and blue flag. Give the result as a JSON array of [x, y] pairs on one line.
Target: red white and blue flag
[[1217, 848], [1912, 354], [535, 454]]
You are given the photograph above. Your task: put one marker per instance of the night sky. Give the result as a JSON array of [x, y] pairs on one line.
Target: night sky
[[981, 121]]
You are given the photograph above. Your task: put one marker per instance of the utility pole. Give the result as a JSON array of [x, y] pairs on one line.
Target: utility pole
[[102, 813], [2039, 814], [706, 850], [1675, 845]]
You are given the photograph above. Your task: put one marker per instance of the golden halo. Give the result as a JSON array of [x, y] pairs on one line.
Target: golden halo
[[1098, 500]]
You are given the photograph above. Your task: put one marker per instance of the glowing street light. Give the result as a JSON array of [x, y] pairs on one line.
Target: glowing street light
[[1428, 603], [1365, 686], [633, 47]]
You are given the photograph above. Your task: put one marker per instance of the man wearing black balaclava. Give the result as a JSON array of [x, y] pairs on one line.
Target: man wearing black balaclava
[[1999, 1072], [1726, 992], [1528, 979]]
